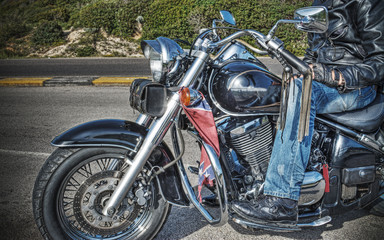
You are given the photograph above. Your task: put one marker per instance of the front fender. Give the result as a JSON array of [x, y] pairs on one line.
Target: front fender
[[103, 133], [127, 135]]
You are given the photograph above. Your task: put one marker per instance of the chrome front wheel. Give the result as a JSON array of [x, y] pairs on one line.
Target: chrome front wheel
[[74, 186]]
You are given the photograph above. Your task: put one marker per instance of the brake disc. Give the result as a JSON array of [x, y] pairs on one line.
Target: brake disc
[[90, 200]]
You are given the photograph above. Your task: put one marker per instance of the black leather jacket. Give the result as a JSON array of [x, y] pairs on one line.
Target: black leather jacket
[[354, 42]]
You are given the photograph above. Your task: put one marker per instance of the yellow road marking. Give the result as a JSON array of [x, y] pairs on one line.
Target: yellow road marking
[[23, 81], [115, 80]]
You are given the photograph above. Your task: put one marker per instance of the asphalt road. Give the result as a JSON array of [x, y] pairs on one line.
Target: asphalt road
[[112, 67], [31, 117], [85, 67]]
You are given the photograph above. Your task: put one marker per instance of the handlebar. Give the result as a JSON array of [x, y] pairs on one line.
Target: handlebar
[[256, 35], [266, 43]]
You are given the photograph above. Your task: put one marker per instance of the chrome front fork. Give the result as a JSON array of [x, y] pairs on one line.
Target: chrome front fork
[[155, 135]]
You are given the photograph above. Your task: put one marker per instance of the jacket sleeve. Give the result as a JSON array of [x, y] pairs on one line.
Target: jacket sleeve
[[370, 24]]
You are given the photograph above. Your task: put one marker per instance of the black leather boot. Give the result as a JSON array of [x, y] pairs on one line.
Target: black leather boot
[[268, 209]]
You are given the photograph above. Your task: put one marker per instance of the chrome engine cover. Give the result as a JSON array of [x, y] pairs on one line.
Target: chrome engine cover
[[253, 142]]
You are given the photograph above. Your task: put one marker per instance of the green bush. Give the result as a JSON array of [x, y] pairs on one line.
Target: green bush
[[47, 33], [12, 29], [86, 51], [5, 53], [116, 17], [174, 19], [100, 14], [183, 18]]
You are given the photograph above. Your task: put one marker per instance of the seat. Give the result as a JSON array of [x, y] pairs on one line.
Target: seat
[[365, 120]]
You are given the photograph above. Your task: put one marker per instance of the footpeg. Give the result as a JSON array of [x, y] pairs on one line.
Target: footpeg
[[282, 227], [267, 226], [319, 222]]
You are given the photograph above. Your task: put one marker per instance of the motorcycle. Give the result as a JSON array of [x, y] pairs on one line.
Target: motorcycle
[[117, 179]]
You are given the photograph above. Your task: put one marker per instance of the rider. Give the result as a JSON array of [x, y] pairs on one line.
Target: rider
[[347, 63]]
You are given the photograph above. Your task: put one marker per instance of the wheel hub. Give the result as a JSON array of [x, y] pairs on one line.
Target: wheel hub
[[92, 197]]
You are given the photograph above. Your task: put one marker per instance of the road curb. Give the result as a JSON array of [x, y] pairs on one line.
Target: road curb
[[114, 80], [23, 81], [68, 81]]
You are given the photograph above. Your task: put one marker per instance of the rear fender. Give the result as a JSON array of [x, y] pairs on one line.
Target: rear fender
[[127, 135]]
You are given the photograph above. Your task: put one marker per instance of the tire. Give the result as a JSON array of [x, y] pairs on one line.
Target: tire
[[74, 184]]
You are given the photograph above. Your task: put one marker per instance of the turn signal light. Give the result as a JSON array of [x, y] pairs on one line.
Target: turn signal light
[[189, 96], [185, 96]]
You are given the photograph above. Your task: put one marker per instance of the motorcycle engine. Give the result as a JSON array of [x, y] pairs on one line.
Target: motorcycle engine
[[253, 142], [249, 147], [249, 150]]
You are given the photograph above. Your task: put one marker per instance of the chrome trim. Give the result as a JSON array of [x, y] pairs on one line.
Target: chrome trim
[[144, 120], [313, 19], [252, 48], [166, 51], [257, 35], [297, 227], [235, 50], [272, 31], [340, 127], [175, 67], [220, 183], [220, 186], [311, 177], [265, 227], [195, 69], [316, 223], [191, 194], [167, 48]]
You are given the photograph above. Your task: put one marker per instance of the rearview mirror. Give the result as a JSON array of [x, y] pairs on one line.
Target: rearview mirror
[[309, 19], [312, 19], [228, 17]]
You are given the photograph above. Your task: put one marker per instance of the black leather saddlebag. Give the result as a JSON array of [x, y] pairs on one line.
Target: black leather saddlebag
[[148, 97]]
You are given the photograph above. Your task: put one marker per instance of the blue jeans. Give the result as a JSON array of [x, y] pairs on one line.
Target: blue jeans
[[289, 156]]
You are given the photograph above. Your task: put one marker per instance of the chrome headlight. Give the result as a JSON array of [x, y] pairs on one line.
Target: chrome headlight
[[162, 54]]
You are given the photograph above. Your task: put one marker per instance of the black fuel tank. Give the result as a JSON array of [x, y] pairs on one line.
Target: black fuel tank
[[244, 87]]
